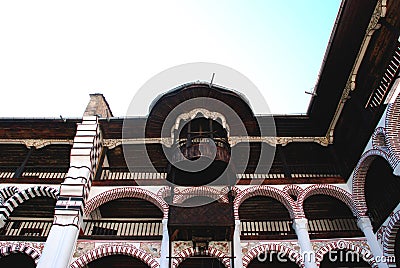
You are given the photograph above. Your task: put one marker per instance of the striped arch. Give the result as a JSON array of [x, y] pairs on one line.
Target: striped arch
[[212, 252], [379, 138], [345, 245], [389, 236], [213, 193], [104, 251], [20, 197], [133, 192], [293, 255], [164, 192], [20, 248], [265, 190], [7, 192], [392, 129], [360, 174], [293, 189], [331, 190]]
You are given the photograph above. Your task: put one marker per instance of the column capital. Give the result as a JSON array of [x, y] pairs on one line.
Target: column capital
[[299, 224], [364, 223]]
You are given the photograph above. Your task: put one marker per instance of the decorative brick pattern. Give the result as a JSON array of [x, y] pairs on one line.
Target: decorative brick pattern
[[345, 245], [392, 122], [212, 252], [7, 192], [20, 248], [331, 190], [293, 189], [103, 251], [265, 190], [389, 236], [379, 139], [133, 192], [18, 198], [187, 193], [276, 248], [360, 174], [164, 192]]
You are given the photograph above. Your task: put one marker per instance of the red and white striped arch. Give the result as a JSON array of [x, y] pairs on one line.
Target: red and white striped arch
[[212, 252], [273, 248], [104, 251], [331, 190], [345, 245], [389, 236], [360, 174], [265, 190], [133, 192]]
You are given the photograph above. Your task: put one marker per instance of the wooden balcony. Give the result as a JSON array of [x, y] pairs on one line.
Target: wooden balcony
[[282, 229], [122, 229], [26, 230], [33, 174]]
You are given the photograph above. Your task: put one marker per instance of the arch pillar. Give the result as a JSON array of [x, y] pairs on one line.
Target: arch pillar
[[365, 225], [307, 252], [164, 260]]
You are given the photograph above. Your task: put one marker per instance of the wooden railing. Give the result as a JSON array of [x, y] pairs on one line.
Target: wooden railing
[[43, 172], [36, 230], [318, 228], [123, 173], [7, 172], [122, 229]]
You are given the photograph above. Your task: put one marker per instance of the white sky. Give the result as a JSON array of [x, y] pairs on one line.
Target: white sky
[[54, 53]]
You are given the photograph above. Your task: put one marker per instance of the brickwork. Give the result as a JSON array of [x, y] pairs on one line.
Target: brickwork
[[389, 236], [20, 247]]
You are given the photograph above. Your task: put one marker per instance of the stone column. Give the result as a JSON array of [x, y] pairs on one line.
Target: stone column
[[164, 260], [365, 225], [308, 254], [68, 214], [237, 248]]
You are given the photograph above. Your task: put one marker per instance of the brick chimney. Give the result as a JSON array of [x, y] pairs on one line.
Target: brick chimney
[[98, 106]]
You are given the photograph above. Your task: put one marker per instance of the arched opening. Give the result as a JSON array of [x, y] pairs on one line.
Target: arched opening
[[32, 218], [17, 260], [382, 191], [202, 262], [329, 217], [343, 258], [264, 217], [117, 261], [272, 259], [124, 218], [203, 140]]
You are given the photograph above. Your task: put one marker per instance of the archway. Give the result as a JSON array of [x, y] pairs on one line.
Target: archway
[[17, 260], [117, 261]]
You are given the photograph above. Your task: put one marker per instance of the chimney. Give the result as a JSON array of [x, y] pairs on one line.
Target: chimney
[[98, 106]]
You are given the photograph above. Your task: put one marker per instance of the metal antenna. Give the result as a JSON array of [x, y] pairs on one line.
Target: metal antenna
[[212, 79]]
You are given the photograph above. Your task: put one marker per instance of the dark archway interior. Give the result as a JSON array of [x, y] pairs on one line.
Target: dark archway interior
[[130, 208], [201, 262], [382, 191], [117, 261], [275, 260], [343, 258], [17, 260], [329, 217], [38, 207], [263, 208]]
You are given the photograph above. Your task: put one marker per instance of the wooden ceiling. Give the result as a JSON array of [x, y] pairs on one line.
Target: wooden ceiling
[[130, 208]]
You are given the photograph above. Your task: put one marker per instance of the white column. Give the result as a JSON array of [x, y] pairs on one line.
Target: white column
[[365, 225], [164, 260], [308, 254], [237, 248], [60, 246]]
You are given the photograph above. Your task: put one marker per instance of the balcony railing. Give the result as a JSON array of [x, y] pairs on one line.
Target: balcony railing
[[263, 229], [7, 172], [36, 230], [318, 228], [43, 172], [122, 229], [123, 173]]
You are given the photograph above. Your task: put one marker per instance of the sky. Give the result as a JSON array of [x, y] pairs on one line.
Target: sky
[[53, 54]]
